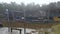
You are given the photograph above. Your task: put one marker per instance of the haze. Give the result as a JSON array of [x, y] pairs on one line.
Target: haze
[[30, 1]]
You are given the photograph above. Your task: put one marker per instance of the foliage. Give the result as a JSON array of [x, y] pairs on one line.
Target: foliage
[[56, 29], [32, 9]]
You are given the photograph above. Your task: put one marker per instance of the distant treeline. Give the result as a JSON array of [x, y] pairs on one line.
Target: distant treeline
[[52, 8]]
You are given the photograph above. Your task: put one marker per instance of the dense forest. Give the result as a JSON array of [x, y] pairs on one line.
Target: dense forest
[[52, 9]]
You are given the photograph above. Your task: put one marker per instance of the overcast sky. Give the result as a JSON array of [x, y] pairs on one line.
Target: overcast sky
[[30, 1]]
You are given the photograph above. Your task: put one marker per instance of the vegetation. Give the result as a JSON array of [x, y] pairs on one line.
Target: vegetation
[[32, 9], [56, 29]]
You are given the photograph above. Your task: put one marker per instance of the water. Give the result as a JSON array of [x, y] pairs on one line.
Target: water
[[4, 30]]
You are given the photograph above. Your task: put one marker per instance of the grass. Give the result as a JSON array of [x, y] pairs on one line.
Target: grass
[[57, 29]]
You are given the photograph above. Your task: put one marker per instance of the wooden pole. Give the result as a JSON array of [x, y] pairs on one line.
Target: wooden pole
[[20, 31]]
